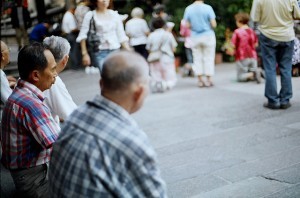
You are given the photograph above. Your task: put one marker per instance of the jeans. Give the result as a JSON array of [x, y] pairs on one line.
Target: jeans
[[100, 56], [281, 53]]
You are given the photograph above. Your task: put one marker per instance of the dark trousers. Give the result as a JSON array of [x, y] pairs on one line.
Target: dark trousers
[[32, 182], [141, 49]]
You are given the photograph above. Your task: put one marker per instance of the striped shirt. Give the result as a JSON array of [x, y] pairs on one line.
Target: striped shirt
[[101, 152], [28, 129]]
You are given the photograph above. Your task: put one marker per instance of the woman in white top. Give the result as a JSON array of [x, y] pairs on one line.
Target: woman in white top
[[138, 30], [109, 28]]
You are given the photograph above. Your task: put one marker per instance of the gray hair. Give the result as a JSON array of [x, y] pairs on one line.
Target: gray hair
[[122, 69], [59, 46], [137, 12]]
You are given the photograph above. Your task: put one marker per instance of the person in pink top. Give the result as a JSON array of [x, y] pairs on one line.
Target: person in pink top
[[244, 41]]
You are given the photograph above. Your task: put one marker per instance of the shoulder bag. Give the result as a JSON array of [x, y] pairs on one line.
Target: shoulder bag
[[93, 40]]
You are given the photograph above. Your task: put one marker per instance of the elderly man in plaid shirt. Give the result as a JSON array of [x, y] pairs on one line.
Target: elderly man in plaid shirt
[[28, 129], [101, 151]]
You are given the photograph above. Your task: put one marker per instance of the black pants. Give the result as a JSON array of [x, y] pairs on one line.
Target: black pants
[[32, 182], [141, 49]]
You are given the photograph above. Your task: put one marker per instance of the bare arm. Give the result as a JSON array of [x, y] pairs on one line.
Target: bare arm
[[86, 60], [213, 23]]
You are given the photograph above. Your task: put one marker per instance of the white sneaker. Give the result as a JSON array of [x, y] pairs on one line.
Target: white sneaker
[[95, 70], [88, 70]]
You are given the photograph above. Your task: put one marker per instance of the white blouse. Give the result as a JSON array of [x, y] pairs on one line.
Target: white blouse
[[111, 31]]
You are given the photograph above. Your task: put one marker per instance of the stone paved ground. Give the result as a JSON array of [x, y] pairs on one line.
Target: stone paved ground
[[217, 142]]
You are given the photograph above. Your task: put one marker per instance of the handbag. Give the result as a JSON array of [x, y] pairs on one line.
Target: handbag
[[93, 40], [155, 56]]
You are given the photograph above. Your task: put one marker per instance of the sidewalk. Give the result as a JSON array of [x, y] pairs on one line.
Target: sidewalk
[[220, 141]]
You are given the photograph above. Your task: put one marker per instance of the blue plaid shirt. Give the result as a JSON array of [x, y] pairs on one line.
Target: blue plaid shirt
[[101, 152]]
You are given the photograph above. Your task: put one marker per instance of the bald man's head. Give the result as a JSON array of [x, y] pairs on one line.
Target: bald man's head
[[123, 69]]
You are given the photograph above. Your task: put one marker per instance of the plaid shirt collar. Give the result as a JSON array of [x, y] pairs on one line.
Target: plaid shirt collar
[[114, 108], [36, 91]]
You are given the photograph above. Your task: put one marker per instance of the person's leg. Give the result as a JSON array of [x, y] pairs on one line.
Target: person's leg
[[242, 71], [169, 74], [197, 64], [254, 68], [100, 56], [25, 36], [269, 51], [74, 51], [284, 59], [141, 49], [18, 37], [209, 51], [32, 182]]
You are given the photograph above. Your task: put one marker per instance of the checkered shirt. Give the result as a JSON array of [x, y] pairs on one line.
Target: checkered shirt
[[28, 129], [101, 152]]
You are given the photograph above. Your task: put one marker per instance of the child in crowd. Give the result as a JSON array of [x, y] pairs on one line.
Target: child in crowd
[[244, 41], [162, 68], [185, 31]]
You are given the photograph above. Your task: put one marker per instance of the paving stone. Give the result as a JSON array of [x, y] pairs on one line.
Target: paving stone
[[261, 166], [291, 192], [253, 187], [194, 186], [289, 174]]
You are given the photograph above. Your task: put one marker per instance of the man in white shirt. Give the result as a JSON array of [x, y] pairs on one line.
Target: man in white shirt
[[57, 98], [275, 18]]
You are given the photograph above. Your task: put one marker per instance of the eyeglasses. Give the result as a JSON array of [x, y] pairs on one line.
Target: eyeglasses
[[8, 49]]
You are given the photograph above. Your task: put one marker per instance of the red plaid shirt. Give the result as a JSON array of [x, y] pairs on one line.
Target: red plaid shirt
[[28, 129]]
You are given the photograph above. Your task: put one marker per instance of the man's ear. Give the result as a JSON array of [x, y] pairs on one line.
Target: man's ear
[[138, 92], [65, 60], [101, 84], [35, 75]]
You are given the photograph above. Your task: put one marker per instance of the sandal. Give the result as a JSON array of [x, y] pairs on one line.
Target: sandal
[[209, 84], [201, 84]]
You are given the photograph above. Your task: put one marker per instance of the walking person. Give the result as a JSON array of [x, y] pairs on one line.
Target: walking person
[[101, 151], [202, 19], [21, 21], [161, 45], [70, 30], [275, 18], [28, 129], [138, 30], [57, 98], [109, 28], [244, 41]]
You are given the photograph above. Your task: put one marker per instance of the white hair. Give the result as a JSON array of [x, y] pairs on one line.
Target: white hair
[[137, 12], [59, 46]]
